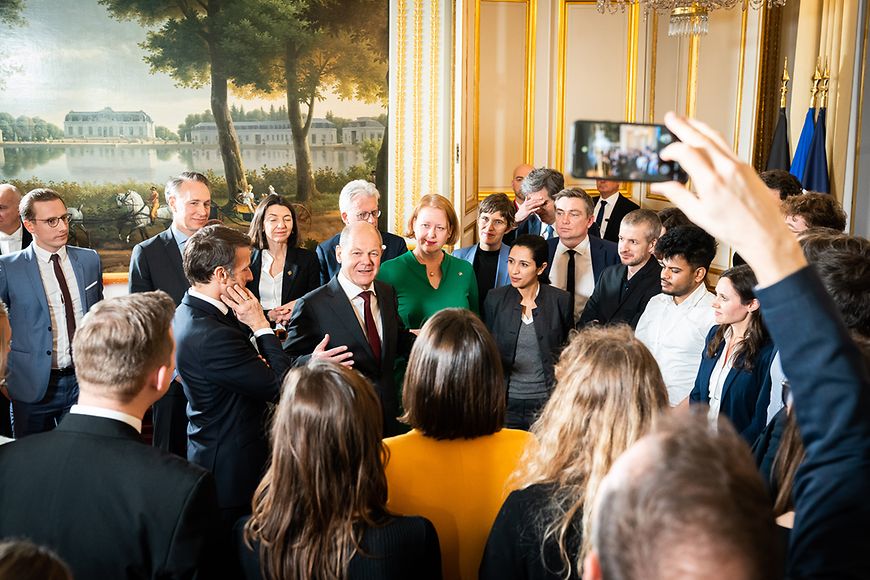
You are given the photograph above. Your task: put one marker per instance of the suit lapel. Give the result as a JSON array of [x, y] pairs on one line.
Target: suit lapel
[[36, 279], [174, 255], [290, 274], [79, 270], [501, 272], [389, 319], [346, 314]]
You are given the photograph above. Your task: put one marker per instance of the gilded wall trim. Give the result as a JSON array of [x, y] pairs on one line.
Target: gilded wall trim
[[398, 192]]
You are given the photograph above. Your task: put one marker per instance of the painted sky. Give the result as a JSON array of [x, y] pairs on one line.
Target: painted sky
[[71, 55]]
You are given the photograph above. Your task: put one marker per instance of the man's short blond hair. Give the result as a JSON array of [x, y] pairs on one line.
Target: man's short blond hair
[[120, 341]]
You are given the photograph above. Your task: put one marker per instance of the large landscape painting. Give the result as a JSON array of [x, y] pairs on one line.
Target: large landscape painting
[[103, 100]]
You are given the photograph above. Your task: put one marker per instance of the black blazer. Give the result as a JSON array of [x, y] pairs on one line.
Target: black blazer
[[155, 264], [109, 505], [621, 208], [515, 548], [604, 254], [327, 310], [605, 305], [404, 547], [301, 273], [745, 394], [503, 312], [394, 246], [829, 382], [228, 386]]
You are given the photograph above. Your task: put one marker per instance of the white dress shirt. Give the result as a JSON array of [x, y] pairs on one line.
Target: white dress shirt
[[61, 347], [584, 277], [353, 294], [270, 286], [608, 209], [676, 335], [130, 420], [545, 232], [718, 378], [777, 377], [11, 242]]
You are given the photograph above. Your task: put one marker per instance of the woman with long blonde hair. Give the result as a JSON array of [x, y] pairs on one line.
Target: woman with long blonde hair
[[320, 510], [609, 393]]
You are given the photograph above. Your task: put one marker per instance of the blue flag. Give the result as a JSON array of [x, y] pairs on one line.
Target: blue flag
[[798, 164], [816, 171]]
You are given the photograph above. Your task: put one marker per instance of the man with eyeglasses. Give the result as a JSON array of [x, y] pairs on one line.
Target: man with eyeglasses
[[48, 288], [357, 202], [156, 265], [495, 217]]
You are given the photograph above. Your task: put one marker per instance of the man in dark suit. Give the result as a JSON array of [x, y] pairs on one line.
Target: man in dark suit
[[610, 209], [47, 287], [358, 202], [537, 214], [91, 490], [156, 265], [358, 313], [624, 289], [228, 383], [576, 258], [13, 237]]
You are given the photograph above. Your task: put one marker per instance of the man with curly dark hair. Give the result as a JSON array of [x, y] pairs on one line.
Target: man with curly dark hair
[[675, 322]]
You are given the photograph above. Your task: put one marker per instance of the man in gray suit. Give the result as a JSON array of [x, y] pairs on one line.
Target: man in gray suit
[[47, 287]]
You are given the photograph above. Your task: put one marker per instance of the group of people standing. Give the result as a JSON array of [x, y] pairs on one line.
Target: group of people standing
[[367, 411]]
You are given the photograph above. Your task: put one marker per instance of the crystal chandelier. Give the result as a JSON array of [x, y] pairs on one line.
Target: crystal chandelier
[[687, 17]]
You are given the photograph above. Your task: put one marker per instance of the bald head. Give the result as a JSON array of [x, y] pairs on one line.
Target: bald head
[[359, 252], [519, 174], [10, 197], [686, 483]]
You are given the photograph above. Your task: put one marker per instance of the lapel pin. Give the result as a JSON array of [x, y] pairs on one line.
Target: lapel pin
[[460, 273]]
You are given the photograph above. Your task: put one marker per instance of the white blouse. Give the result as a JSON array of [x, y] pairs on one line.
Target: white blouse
[[270, 286], [718, 378]]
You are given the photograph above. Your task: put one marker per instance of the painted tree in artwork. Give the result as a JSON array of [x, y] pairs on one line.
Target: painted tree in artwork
[[187, 45], [10, 15], [301, 48]]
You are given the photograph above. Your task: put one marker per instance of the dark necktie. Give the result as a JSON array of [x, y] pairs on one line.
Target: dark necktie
[[67, 299], [569, 280], [371, 328], [600, 218]]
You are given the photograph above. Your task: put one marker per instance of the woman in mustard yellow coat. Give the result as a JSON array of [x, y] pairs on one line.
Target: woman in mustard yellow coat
[[453, 466]]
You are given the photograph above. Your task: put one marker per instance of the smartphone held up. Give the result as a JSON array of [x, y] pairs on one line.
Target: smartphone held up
[[623, 152]]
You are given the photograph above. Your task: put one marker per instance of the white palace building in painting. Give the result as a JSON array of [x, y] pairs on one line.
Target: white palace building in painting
[[322, 132], [109, 125]]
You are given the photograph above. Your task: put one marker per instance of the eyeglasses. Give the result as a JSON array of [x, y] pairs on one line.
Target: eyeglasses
[[53, 221], [367, 215]]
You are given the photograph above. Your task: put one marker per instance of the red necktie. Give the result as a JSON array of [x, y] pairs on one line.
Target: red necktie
[[67, 299], [371, 328]]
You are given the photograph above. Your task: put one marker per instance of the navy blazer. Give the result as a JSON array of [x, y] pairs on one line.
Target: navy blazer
[[301, 273], [92, 483], [394, 246], [22, 291], [501, 273], [830, 383], [745, 394], [553, 319], [327, 310], [228, 385], [155, 264], [604, 254]]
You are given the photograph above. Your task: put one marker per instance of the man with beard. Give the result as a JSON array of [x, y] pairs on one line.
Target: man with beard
[[624, 289]]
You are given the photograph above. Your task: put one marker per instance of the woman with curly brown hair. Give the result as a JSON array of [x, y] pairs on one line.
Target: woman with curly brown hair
[[320, 510], [609, 393]]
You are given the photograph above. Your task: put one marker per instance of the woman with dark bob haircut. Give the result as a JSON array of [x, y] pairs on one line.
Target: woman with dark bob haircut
[[453, 466], [282, 271], [319, 511], [530, 321]]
